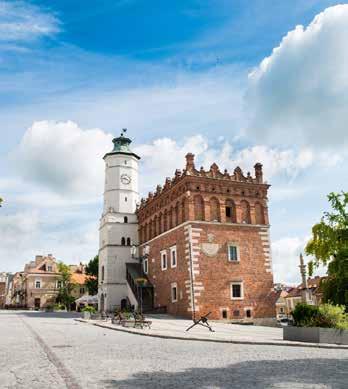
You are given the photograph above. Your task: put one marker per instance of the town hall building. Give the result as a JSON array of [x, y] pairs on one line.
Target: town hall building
[[202, 241]]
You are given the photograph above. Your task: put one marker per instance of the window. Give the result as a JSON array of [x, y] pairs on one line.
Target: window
[[173, 256], [237, 290], [123, 241], [37, 284], [174, 292], [164, 260], [128, 241], [125, 199], [59, 284], [281, 310], [233, 252], [82, 290], [224, 314], [146, 265], [248, 313], [102, 275], [125, 219], [49, 268]]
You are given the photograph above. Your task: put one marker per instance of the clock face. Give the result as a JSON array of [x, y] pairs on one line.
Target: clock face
[[125, 179]]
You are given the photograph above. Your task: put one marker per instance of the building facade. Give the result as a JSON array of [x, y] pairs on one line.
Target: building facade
[[118, 224], [207, 236]]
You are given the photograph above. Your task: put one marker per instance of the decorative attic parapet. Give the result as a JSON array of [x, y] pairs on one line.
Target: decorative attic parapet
[[213, 173]]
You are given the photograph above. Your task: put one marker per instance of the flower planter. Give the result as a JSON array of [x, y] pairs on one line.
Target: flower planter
[[315, 335], [87, 315]]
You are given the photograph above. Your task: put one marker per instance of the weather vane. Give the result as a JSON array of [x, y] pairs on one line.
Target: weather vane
[[124, 130]]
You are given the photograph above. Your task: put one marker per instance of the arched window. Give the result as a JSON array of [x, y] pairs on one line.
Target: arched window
[[125, 219], [160, 224], [259, 214], [245, 211], [102, 273], [230, 211], [156, 226], [176, 212], [170, 219], [183, 210], [123, 241], [214, 209], [198, 207], [165, 221], [128, 241]]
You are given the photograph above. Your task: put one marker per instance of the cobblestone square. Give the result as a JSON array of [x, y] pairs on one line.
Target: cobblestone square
[[41, 350]]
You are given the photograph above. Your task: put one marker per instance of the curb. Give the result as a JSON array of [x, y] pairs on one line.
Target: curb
[[287, 344]]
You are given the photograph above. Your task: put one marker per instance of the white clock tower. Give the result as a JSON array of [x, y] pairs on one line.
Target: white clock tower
[[118, 224]]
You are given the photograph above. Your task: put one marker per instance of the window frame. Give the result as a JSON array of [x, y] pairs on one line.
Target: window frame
[[241, 284], [173, 286], [146, 267], [37, 281], [232, 244], [164, 254], [173, 250]]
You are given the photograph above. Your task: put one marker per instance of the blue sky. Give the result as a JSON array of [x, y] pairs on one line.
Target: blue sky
[[233, 81]]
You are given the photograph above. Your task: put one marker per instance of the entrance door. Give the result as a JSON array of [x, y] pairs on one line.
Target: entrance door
[[37, 303]]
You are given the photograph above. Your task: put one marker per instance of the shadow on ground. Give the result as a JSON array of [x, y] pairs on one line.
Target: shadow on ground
[[291, 374], [40, 314]]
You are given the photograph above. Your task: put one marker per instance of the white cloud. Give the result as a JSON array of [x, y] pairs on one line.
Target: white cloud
[[299, 94], [63, 158], [21, 21], [286, 260]]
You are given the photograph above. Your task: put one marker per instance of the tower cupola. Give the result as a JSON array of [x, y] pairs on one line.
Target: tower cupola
[[122, 145]]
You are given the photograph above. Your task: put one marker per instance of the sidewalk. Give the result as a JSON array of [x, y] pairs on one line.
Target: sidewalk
[[165, 326]]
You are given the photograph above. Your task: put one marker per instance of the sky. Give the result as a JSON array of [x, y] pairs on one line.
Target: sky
[[234, 82]]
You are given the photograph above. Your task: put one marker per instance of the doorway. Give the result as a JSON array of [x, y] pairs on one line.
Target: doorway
[[37, 303]]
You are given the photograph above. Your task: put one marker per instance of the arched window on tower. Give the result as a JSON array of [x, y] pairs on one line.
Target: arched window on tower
[[199, 207], [245, 211], [128, 241], [214, 209], [259, 214], [125, 219], [230, 211], [123, 241], [102, 273]]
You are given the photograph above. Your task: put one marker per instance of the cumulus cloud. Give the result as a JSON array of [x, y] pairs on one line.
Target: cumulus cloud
[[64, 158], [21, 21], [285, 254], [299, 94]]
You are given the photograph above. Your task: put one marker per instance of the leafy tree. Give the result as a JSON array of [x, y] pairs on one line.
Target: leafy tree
[[66, 286], [329, 246], [92, 270], [1, 201]]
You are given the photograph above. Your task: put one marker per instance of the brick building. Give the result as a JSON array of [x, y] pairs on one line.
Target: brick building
[[207, 238]]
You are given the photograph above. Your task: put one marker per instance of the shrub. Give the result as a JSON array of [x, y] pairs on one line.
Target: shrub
[[304, 314], [325, 316], [89, 308], [59, 307]]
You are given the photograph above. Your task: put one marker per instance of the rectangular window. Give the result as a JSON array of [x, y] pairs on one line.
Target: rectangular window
[[173, 256], [59, 284], [37, 284], [237, 292], [82, 290], [146, 265], [164, 260], [233, 253], [174, 292], [228, 212]]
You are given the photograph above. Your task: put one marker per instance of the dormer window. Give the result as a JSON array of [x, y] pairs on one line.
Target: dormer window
[[49, 268]]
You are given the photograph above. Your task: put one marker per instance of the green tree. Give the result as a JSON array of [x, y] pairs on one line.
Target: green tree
[[66, 286], [92, 270], [329, 246], [1, 201]]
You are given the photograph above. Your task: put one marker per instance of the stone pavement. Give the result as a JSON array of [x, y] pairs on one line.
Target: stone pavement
[[50, 350], [166, 326]]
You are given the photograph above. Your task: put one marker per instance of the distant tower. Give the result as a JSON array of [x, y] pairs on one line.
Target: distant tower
[[118, 224], [302, 266]]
